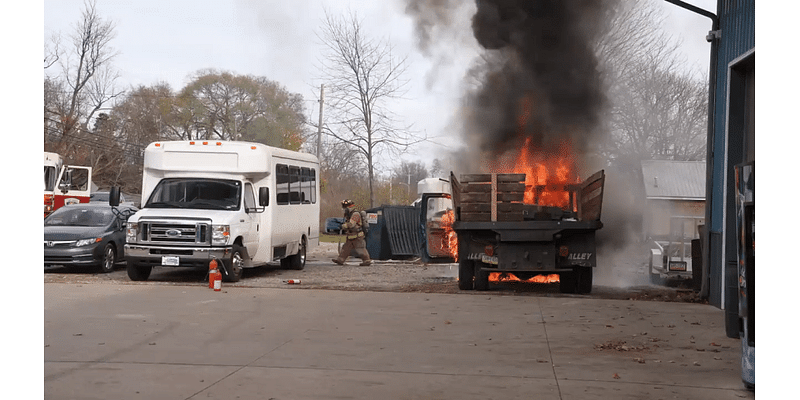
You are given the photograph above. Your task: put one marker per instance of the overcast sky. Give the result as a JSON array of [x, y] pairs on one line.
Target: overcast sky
[[167, 41]]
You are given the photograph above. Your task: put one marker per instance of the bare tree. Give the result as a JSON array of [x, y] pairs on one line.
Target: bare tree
[[85, 82], [361, 77], [409, 174], [657, 109]]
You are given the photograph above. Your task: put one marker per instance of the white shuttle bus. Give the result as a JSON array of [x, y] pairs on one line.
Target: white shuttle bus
[[244, 204]]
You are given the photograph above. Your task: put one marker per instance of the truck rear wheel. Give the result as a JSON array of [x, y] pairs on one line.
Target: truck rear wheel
[[481, 278], [585, 280], [466, 274], [138, 272], [568, 281]]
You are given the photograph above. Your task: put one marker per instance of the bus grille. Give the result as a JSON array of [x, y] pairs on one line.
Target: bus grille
[[176, 233]]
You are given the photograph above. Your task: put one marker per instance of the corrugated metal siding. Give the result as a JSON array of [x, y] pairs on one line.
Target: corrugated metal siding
[[674, 179], [737, 23], [402, 225]]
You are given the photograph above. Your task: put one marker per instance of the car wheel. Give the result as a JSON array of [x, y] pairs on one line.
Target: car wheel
[[234, 265], [109, 259], [138, 272]]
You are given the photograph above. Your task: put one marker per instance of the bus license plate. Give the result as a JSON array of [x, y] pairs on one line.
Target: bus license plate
[[677, 265], [172, 261]]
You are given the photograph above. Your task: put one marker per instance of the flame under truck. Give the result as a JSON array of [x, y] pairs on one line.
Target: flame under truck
[[64, 184], [497, 232]]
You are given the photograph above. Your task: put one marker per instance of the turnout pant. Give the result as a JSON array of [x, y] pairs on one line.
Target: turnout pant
[[357, 244]]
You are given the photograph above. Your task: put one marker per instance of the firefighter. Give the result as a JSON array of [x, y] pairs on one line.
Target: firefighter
[[352, 227]]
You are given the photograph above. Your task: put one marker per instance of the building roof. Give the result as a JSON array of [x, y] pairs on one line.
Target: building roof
[[674, 180]]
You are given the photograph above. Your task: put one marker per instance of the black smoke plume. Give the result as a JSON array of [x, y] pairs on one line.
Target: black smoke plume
[[548, 71], [539, 75]]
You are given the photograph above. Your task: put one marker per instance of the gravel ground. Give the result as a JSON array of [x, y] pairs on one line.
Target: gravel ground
[[390, 276]]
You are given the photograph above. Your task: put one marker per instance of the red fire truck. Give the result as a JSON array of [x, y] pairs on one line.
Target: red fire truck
[[64, 184]]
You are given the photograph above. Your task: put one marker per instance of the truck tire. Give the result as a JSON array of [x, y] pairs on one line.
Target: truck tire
[[234, 265], [568, 281], [481, 278], [138, 272], [585, 280], [298, 261], [466, 274]]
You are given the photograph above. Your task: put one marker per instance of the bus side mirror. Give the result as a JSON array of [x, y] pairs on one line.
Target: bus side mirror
[[113, 196], [263, 196]]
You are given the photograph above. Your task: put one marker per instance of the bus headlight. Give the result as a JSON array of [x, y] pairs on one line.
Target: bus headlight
[[131, 231], [220, 234]]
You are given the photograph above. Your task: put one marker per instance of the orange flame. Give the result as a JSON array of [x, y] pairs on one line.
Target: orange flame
[[498, 277], [548, 167], [449, 237]]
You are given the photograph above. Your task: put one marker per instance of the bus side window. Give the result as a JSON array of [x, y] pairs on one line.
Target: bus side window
[[313, 181], [282, 183], [294, 184], [305, 185]]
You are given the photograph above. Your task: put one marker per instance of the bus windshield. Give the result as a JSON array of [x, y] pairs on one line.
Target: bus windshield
[[198, 193]]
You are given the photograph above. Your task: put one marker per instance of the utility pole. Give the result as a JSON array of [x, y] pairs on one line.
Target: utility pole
[[408, 196], [319, 127]]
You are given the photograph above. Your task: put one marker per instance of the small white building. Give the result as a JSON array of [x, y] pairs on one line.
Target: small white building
[[675, 198]]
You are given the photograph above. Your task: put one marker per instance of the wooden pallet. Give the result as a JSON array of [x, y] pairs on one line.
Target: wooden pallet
[[489, 197]]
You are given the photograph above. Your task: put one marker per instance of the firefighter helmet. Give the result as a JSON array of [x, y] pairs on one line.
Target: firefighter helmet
[[347, 203]]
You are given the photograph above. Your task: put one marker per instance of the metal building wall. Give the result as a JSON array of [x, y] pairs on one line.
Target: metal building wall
[[737, 26]]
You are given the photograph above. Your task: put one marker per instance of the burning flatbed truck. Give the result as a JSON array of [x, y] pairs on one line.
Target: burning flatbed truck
[[499, 234]]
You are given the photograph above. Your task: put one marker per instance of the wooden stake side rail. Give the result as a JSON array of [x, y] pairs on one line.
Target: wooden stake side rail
[[490, 197]]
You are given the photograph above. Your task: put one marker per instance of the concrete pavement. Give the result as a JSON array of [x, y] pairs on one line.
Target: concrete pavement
[[140, 341]]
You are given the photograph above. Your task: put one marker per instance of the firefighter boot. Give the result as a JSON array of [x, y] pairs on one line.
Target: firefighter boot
[[366, 263], [336, 261]]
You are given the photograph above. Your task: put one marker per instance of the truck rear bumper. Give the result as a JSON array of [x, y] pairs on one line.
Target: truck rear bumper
[[197, 257]]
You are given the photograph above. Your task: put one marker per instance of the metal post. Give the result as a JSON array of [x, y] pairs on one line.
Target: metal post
[[713, 37]]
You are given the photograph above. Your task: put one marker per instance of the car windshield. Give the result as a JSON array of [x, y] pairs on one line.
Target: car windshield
[[80, 216], [199, 193]]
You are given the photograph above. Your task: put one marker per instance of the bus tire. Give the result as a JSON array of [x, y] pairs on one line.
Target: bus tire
[[466, 274], [298, 261], [234, 265], [138, 272]]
